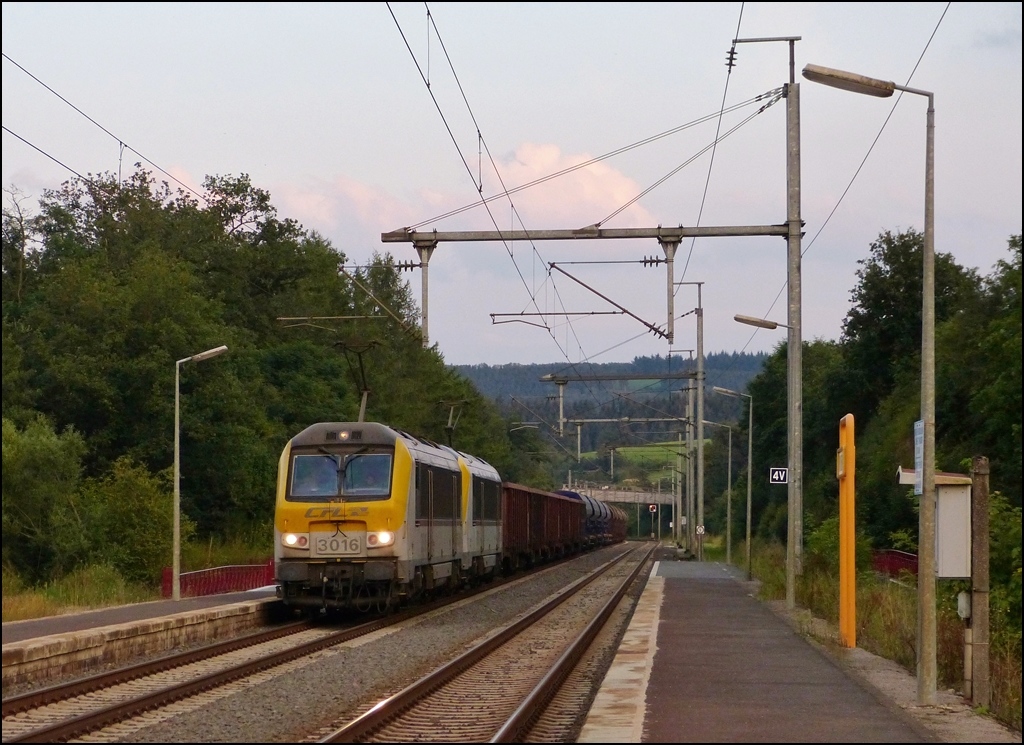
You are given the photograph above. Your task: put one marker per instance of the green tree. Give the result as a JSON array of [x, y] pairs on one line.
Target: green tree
[[122, 520], [115, 280], [994, 392], [882, 331], [41, 472]]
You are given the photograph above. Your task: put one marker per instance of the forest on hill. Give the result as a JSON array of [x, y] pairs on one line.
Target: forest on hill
[[501, 382]]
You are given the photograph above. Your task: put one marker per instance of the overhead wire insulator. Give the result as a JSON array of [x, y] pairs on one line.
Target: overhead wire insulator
[[407, 266], [730, 58], [651, 261]]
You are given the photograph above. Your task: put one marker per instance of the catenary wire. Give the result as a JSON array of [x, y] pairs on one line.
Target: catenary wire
[[121, 142], [859, 168], [711, 164]]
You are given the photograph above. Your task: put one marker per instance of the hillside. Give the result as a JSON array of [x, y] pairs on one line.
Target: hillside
[[651, 405], [500, 382]]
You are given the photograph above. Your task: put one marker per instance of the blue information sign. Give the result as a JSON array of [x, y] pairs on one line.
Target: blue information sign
[[919, 456]]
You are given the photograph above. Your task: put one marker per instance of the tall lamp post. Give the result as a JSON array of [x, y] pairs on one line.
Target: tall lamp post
[[750, 457], [926, 623], [176, 560], [728, 500], [795, 485]]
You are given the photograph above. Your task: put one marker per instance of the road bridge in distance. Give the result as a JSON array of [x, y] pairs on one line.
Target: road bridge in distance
[[624, 496]]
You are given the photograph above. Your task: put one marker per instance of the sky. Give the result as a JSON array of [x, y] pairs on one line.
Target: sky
[[364, 118]]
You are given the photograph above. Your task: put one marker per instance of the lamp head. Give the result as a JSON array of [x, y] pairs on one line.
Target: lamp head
[[849, 81]]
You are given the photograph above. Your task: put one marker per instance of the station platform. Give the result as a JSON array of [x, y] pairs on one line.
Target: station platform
[[704, 660], [43, 648], [16, 631]]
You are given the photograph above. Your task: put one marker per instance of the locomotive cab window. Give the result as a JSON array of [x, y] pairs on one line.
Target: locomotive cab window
[[326, 475], [368, 474]]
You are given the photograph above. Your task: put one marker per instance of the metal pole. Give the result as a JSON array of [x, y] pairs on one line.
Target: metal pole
[[700, 423], [176, 529], [728, 507], [561, 407], [176, 524], [981, 683], [670, 246], [926, 622], [691, 523], [425, 250], [678, 472], [926, 657], [750, 463], [794, 346]]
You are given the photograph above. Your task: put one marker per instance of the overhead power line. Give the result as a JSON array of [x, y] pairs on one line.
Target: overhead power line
[[120, 142]]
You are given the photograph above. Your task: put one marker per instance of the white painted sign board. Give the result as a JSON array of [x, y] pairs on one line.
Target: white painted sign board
[[953, 531]]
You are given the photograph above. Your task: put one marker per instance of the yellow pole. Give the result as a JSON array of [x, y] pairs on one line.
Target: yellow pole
[[846, 464]]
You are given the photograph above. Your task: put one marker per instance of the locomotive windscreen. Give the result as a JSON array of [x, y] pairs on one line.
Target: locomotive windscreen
[[325, 475]]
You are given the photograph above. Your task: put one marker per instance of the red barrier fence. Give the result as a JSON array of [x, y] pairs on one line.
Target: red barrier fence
[[893, 563], [235, 578]]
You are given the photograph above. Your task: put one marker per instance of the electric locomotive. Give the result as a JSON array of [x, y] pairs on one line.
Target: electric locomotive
[[368, 516]]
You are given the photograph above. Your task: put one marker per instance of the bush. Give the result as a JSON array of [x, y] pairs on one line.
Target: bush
[[253, 546], [122, 520], [88, 587], [821, 549], [41, 471]]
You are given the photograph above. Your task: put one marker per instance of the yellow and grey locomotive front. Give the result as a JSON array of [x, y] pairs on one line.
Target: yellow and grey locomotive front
[[367, 515]]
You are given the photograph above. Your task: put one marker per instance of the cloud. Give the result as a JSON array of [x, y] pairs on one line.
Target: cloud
[[350, 212], [578, 198]]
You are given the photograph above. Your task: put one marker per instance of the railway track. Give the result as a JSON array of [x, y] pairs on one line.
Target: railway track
[[72, 710], [512, 686], [63, 712]]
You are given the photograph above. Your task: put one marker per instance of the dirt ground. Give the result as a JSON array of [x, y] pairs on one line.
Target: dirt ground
[[951, 719]]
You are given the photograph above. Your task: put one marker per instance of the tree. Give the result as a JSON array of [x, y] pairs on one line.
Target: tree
[[882, 331], [121, 520], [41, 471]]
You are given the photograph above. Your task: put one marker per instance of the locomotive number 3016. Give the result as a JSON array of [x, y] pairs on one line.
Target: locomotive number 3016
[[336, 544]]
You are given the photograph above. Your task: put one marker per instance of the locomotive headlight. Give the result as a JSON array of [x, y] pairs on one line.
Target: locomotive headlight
[[380, 539], [295, 540]]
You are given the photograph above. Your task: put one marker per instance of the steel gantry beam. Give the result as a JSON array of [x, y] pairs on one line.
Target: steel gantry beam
[[425, 241]]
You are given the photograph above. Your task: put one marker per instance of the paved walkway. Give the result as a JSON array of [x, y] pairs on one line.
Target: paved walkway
[[17, 631], [705, 661]]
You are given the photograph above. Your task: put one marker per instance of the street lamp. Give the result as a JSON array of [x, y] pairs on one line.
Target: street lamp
[[728, 501], [176, 561], [761, 323], [926, 623], [750, 457], [795, 480]]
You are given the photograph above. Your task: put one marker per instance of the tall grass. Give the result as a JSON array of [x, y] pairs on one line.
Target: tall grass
[[102, 586], [215, 552], [83, 589]]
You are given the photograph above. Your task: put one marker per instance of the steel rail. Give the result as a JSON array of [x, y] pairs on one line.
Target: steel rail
[[393, 706], [89, 722], [63, 691], [517, 725]]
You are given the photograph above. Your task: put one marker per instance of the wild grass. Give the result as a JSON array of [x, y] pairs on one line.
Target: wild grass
[[215, 552], [83, 589], [102, 586]]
